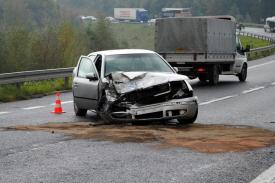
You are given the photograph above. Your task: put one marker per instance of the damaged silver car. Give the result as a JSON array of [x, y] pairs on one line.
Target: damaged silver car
[[132, 85]]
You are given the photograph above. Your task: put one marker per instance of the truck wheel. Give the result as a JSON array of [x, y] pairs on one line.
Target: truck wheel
[[214, 75], [189, 120], [78, 111], [243, 75]]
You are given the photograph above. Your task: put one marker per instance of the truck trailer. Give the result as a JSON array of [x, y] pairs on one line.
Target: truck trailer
[[131, 14], [203, 47]]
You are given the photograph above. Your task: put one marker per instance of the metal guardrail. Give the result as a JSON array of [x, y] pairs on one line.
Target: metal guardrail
[[38, 75], [253, 25], [257, 36]]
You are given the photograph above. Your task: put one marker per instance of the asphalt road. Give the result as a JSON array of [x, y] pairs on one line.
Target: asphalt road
[[44, 157], [259, 31]]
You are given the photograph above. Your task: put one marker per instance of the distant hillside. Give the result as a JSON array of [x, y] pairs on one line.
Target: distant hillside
[[244, 10], [31, 12]]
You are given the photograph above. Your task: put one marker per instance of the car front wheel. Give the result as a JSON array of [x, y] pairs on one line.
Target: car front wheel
[[78, 111], [188, 120], [243, 75]]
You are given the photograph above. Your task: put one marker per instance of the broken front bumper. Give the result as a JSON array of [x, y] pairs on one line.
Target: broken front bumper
[[172, 109]]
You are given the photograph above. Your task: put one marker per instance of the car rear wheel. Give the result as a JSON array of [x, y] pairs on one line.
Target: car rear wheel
[[188, 120], [78, 111], [243, 75]]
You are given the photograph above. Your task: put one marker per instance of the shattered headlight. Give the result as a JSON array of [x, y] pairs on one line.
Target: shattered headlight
[[183, 92]]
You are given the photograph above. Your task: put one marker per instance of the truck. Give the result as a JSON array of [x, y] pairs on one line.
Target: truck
[[202, 47], [176, 12], [131, 14], [269, 24]]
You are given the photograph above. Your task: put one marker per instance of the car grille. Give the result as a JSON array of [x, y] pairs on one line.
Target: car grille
[[155, 94]]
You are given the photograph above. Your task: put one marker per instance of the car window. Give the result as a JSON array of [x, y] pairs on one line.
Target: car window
[[85, 67], [239, 46], [135, 63]]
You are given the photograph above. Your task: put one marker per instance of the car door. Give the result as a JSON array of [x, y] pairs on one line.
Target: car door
[[85, 91], [240, 57]]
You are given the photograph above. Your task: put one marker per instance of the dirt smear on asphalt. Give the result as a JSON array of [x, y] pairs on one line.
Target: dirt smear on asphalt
[[198, 137]]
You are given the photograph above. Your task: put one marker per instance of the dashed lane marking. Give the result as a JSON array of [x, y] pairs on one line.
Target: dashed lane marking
[[273, 83], [35, 107], [260, 65], [66, 102], [217, 100], [253, 90], [267, 176], [1, 113]]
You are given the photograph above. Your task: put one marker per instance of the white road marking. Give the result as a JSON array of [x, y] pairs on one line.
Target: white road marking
[[253, 90], [260, 65], [267, 176], [217, 100], [66, 102], [273, 83], [35, 107], [4, 113]]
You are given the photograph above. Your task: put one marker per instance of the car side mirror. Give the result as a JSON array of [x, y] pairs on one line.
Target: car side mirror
[[92, 76], [176, 69], [247, 48]]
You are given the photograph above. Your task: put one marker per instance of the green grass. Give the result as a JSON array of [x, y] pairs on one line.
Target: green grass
[[253, 42], [29, 89], [256, 43], [254, 56], [139, 36]]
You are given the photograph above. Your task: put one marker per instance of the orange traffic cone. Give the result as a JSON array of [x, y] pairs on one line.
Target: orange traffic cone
[[57, 107]]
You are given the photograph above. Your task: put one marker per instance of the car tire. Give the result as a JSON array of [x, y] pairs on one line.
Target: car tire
[[188, 120], [103, 114], [214, 75], [78, 111], [243, 75]]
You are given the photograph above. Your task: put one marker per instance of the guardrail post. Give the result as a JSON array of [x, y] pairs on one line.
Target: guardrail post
[[18, 85], [66, 82]]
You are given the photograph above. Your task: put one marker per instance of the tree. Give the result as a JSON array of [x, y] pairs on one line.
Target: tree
[[101, 36]]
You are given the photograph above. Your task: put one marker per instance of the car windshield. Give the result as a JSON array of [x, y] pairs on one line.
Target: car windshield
[[135, 63], [271, 24]]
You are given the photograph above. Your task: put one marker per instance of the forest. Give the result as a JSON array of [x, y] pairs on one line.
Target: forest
[[41, 34]]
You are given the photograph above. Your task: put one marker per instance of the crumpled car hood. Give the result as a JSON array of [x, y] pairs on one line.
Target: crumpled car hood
[[126, 82]]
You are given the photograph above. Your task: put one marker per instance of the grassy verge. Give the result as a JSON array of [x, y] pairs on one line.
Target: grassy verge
[[28, 90], [257, 55], [134, 35], [253, 42], [256, 43]]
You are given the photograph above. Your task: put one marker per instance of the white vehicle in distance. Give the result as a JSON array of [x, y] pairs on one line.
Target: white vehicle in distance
[[92, 18], [132, 85], [270, 24], [111, 19]]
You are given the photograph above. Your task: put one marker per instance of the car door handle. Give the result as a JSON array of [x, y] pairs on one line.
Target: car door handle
[[75, 85]]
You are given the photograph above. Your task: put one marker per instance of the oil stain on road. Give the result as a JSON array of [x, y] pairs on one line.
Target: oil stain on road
[[198, 137]]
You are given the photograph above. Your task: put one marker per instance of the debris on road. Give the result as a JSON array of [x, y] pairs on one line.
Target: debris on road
[[198, 137]]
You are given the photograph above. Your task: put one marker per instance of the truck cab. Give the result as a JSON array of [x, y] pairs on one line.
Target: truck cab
[[269, 24]]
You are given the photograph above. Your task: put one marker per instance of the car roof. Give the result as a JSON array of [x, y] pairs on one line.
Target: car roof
[[121, 52]]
